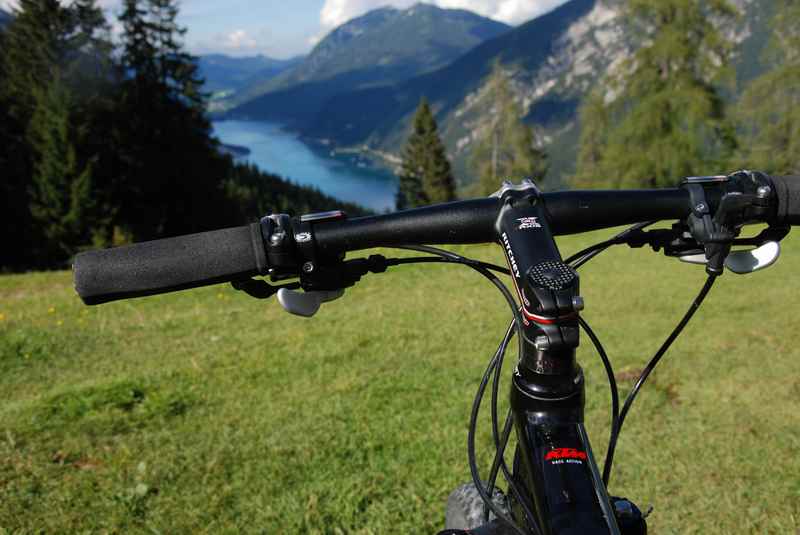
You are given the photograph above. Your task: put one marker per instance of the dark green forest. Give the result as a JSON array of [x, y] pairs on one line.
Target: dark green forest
[[106, 142]]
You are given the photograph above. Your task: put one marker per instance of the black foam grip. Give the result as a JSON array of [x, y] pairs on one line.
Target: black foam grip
[[170, 264], [787, 189]]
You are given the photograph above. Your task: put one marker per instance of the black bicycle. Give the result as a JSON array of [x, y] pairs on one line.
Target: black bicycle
[[554, 486]]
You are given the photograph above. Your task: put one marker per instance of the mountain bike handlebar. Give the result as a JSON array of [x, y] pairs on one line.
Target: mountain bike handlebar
[[787, 191], [170, 264], [238, 253]]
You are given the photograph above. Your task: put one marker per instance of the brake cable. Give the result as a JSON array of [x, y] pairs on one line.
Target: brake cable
[[495, 365], [581, 257], [612, 383], [618, 417], [648, 370]]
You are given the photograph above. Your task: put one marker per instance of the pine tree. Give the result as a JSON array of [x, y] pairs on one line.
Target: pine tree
[[153, 51], [426, 176], [173, 175], [61, 193], [769, 110], [44, 65], [36, 44], [508, 149], [15, 217], [47, 40], [668, 119]]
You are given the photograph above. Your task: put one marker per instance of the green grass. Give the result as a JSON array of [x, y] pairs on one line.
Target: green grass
[[209, 412]]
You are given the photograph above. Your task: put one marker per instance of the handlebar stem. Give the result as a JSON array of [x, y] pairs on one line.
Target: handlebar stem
[[547, 289]]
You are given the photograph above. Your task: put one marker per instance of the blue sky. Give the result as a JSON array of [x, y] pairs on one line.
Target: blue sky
[[285, 28], [244, 27]]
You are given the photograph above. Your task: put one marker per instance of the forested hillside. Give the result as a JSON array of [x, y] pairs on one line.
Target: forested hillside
[[106, 142]]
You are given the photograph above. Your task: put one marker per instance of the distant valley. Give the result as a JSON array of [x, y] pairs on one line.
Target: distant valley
[[225, 76]]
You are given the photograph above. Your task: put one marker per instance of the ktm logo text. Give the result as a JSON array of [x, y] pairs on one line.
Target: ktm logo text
[[565, 453]]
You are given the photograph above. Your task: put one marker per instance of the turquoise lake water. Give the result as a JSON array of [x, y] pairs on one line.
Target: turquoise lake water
[[277, 151]]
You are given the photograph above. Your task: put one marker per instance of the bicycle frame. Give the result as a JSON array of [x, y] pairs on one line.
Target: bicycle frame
[[556, 465], [554, 462], [561, 491]]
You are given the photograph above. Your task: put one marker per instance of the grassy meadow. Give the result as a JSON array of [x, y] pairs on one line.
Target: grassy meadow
[[210, 412]]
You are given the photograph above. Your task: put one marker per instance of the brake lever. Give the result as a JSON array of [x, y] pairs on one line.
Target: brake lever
[[306, 304], [677, 242], [743, 262], [322, 283]]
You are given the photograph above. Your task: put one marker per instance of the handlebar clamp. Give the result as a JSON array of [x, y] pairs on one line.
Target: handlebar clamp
[[292, 253]]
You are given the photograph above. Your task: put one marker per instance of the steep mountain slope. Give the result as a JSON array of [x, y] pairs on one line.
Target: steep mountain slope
[[224, 73], [384, 46], [553, 61], [378, 117]]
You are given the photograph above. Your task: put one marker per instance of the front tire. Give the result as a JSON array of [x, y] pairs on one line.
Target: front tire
[[466, 510]]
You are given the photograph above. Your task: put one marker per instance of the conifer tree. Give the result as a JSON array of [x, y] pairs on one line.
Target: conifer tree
[[15, 218], [173, 182], [507, 150], [61, 193], [426, 176], [668, 119], [48, 40], [769, 110], [43, 60], [154, 53]]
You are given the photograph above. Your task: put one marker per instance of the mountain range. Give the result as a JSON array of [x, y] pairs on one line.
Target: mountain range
[[380, 123], [386, 46], [553, 61], [227, 75]]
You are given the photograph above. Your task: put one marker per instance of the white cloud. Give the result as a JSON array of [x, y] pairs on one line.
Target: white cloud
[[336, 12], [239, 40]]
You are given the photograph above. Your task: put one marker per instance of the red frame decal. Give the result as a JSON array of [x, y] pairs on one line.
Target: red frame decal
[[565, 453]]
